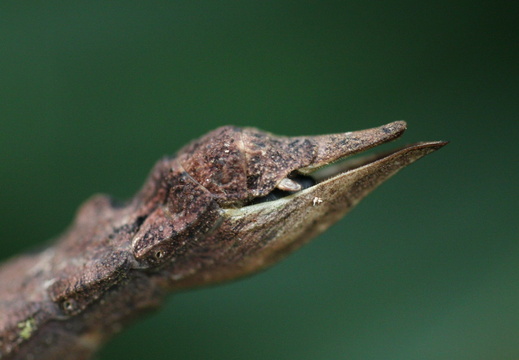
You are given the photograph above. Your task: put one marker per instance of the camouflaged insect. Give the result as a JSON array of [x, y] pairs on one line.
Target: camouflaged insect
[[229, 204]]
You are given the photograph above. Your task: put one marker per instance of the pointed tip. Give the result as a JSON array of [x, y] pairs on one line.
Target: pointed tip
[[430, 145], [418, 150], [334, 147], [442, 143], [400, 125]]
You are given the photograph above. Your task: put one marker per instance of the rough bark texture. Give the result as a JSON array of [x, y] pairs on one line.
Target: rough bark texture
[[229, 204]]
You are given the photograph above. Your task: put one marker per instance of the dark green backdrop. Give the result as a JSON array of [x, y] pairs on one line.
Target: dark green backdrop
[[92, 93]]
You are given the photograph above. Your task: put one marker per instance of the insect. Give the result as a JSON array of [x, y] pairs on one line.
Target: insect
[[227, 205]]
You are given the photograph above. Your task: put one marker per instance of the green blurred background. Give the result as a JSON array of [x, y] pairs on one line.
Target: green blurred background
[[92, 93]]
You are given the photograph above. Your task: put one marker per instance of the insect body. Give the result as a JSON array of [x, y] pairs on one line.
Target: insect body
[[227, 205]]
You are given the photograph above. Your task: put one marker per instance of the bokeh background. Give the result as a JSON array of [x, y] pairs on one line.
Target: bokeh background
[[92, 93]]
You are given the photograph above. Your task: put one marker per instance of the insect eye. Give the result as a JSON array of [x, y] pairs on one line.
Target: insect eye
[[69, 305], [157, 256]]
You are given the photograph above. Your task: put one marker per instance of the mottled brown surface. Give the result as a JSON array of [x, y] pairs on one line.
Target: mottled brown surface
[[193, 223]]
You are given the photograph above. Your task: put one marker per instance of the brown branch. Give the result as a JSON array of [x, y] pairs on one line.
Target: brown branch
[[228, 205]]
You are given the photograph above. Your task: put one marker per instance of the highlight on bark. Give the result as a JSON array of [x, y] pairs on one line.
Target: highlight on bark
[[227, 205]]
